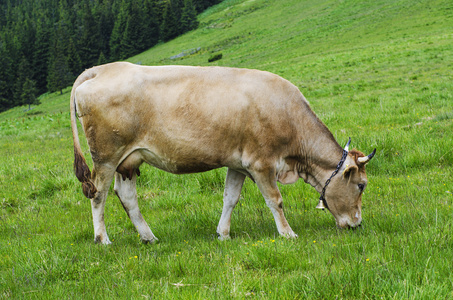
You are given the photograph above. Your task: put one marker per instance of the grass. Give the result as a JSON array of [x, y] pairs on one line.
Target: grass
[[377, 71]]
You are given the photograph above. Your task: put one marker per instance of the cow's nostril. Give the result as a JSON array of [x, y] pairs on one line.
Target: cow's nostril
[[356, 227]]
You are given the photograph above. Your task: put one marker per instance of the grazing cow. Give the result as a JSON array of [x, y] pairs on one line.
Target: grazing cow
[[185, 119]]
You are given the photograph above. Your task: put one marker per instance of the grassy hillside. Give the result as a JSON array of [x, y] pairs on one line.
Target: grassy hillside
[[377, 71]]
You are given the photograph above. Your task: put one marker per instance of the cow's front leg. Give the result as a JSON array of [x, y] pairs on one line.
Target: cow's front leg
[[233, 186], [267, 183], [126, 191]]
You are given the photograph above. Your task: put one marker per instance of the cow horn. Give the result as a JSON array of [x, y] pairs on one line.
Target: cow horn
[[366, 159], [346, 148]]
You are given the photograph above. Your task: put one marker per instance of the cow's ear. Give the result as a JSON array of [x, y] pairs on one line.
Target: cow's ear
[[349, 171]]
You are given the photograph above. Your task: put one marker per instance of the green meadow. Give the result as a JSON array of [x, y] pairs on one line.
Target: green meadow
[[380, 72]]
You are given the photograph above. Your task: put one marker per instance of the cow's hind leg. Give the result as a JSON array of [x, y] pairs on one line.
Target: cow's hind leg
[[267, 183], [233, 185], [102, 178], [127, 193]]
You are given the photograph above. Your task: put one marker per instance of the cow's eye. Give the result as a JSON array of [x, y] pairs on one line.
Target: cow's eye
[[361, 187]]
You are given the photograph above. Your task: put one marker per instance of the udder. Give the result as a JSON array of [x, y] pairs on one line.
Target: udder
[[130, 165]]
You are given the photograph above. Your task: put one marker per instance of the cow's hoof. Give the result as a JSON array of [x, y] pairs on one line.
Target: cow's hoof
[[103, 241], [223, 237], [290, 235], [150, 241]]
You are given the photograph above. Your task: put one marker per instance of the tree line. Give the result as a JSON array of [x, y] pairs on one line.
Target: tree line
[[45, 44]]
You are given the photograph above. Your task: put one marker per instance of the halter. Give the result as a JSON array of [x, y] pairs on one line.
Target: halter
[[343, 158]]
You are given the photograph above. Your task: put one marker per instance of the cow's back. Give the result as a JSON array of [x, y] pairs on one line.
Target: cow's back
[[212, 115]]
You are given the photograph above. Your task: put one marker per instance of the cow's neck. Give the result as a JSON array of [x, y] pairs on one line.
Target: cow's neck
[[320, 156]]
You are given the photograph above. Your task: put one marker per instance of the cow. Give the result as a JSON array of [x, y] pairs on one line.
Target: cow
[[186, 119]]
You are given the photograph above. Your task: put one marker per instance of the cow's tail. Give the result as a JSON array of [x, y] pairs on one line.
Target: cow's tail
[[81, 169]]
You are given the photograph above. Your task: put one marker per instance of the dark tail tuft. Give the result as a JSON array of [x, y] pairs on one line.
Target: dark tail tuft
[[89, 190], [83, 174]]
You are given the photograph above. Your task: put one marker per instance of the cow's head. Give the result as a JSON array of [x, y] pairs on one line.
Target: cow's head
[[343, 194]]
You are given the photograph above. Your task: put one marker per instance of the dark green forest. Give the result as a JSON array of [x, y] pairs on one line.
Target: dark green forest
[[45, 44]]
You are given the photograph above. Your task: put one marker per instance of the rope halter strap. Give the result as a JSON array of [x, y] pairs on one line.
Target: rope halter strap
[[322, 200]]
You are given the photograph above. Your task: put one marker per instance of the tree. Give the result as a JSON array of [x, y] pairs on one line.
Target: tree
[[59, 75], [106, 19], [29, 91], [133, 40], [151, 23], [102, 60], [90, 37], [169, 28], [201, 5], [118, 31], [41, 55], [58, 71], [6, 79], [24, 73], [74, 61], [188, 17], [25, 34]]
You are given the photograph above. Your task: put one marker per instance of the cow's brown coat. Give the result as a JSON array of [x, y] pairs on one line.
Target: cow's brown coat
[[194, 119]]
